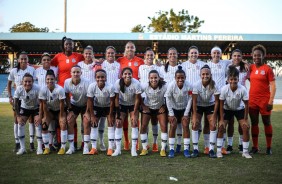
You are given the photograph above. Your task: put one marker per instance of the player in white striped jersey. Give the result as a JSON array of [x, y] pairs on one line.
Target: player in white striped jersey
[[234, 102], [178, 101], [205, 100], [153, 105], [87, 66], [127, 101], [52, 104], [16, 76], [88, 72], [218, 69], [76, 86], [192, 69], [112, 67], [29, 107], [143, 75], [40, 73], [100, 103], [167, 72]]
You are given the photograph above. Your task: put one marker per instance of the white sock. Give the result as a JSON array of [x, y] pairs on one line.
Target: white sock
[[200, 130], [101, 128], [219, 144], [21, 135], [224, 140], [86, 139], [45, 138], [155, 130], [70, 139], [64, 135], [207, 140], [118, 136], [134, 137], [164, 140], [240, 139], [111, 137], [94, 136], [38, 131], [230, 141], [31, 132], [16, 133], [195, 139], [51, 137], [187, 143], [212, 139], [171, 142], [179, 133], [144, 141], [246, 147]]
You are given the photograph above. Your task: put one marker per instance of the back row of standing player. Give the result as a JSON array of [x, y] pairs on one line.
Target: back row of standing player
[[192, 74]]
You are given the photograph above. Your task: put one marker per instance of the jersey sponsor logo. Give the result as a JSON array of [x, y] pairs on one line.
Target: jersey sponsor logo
[[256, 72], [67, 60], [129, 63]]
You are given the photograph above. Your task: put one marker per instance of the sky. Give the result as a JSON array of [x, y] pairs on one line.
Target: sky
[[113, 16]]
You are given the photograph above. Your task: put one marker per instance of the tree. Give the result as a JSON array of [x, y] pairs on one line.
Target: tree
[[138, 29], [166, 21], [27, 27]]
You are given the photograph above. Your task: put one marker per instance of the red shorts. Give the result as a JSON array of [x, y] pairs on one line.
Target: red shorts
[[259, 104]]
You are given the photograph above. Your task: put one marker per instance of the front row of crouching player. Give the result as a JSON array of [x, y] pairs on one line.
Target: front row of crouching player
[[168, 103]]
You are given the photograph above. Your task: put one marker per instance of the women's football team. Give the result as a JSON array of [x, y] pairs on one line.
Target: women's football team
[[175, 96]]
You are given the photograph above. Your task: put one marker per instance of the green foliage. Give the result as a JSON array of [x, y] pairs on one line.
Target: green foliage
[[27, 27], [138, 29], [180, 22]]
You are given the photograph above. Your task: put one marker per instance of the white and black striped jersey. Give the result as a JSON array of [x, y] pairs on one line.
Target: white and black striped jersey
[[113, 71], [78, 92], [170, 74], [205, 95], [234, 100], [52, 98], [218, 71], [87, 71], [143, 72], [128, 97], [192, 71], [40, 75], [17, 75], [154, 98], [101, 96], [29, 100], [178, 99]]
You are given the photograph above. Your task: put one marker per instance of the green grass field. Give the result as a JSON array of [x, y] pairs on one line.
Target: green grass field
[[78, 168]]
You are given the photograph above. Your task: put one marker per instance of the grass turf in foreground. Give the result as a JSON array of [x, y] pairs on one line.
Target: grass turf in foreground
[[78, 168]]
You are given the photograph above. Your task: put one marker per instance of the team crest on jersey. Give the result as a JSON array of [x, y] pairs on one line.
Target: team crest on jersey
[[262, 72], [135, 63], [73, 60]]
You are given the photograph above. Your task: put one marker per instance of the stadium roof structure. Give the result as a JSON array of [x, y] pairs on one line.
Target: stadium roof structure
[[37, 43]]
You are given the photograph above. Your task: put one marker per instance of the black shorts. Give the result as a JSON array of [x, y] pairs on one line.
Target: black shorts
[[208, 110], [228, 114], [126, 109], [101, 111], [154, 112], [77, 110], [54, 113], [28, 112]]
